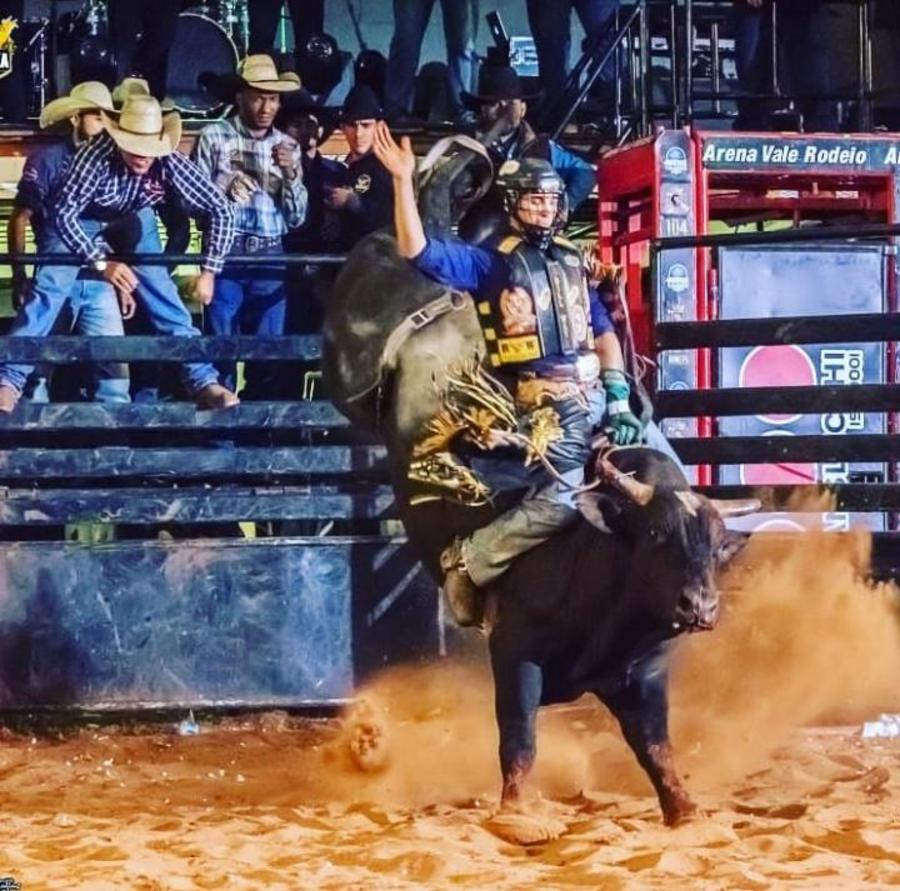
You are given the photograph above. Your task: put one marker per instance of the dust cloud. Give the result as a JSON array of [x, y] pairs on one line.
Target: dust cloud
[[804, 638]]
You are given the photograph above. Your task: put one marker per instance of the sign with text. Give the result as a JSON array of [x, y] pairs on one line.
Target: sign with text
[[803, 281], [798, 153]]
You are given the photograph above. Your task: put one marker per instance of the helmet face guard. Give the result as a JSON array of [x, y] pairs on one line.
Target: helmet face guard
[[532, 176]]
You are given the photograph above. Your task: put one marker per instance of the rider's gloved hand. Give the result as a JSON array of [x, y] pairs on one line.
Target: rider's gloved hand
[[624, 426]]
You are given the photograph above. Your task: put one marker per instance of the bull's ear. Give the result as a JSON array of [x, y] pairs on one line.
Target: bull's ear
[[733, 543], [600, 510]]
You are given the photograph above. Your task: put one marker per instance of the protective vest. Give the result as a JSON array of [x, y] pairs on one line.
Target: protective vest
[[544, 311]]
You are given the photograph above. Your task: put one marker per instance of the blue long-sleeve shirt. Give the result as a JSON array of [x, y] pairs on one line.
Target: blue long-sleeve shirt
[[577, 175], [484, 274]]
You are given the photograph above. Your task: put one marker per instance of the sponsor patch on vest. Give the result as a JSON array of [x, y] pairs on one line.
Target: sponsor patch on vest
[[517, 312], [363, 184], [519, 349]]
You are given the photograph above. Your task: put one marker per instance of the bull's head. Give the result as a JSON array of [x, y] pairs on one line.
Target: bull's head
[[678, 543]]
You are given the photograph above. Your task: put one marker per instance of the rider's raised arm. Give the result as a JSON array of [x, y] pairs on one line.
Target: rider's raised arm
[[446, 260], [400, 162]]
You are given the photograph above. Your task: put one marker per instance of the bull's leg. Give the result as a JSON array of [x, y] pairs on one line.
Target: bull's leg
[[642, 708], [517, 696]]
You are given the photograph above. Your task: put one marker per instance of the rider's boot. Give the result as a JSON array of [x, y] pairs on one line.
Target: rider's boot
[[464, 597]]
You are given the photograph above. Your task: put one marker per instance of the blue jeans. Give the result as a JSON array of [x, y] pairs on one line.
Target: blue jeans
[[94, 307], [247, 304], [803, 64], [551, 27], [410, 21], [547, 509], [54, 284], [95, 311], [162, 303]]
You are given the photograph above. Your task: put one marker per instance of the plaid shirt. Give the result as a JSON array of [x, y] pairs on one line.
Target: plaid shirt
[[227, 148], [98, 181]]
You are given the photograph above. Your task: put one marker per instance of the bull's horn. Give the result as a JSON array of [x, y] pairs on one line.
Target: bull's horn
[[735, 507], [640, 493]]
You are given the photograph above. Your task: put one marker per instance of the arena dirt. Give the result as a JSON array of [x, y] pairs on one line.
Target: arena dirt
[[402, 794]]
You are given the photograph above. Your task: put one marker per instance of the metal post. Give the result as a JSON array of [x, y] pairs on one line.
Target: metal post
[[644, 50], [689, 61], [776, 81], [864, 75], [673, 66], [716, 79]]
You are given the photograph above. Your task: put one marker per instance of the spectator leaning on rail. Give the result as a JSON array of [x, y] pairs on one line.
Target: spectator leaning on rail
[[259, 167], [500, 96], [126, 171], [92, 301], [171, 212]]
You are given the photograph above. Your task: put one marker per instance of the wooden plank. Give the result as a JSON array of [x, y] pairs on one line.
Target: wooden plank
[[27, 464], [774, 449], [784, 400], [48, 418], [64, 349], [41, 507], [848, 496], [859, 328]]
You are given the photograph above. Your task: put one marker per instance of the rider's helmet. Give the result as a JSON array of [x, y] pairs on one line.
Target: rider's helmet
[[516, 179]]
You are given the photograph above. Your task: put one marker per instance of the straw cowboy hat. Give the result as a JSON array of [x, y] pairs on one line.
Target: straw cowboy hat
[[143, 129], [258, 72], [135, 86], [88, 96]]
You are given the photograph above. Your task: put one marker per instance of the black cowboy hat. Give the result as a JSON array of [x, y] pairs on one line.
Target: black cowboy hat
[[497, 83], [361, 104], [303, 103]]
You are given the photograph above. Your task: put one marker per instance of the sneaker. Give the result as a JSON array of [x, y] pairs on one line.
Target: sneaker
[[9, 398], [464, 597], [215, 396]]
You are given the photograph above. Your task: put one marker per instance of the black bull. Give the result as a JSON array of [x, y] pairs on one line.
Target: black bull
[[596, 608]]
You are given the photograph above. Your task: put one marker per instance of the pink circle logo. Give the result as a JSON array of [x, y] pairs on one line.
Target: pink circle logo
[[777, 366]]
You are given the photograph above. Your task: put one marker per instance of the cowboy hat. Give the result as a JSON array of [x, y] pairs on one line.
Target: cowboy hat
[[143, 129], [135, 86], [88, 96], [303, 103], [256, 72], [497, 83], [361, 104]]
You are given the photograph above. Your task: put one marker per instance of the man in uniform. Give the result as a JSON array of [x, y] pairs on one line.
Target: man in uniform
[[543, 323], [360, 197]]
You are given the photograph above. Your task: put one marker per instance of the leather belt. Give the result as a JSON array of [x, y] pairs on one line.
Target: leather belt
[[250, 244]]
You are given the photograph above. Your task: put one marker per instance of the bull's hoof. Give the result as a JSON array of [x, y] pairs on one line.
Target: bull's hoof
[[525, 829], [365, 735], [680, 812]]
